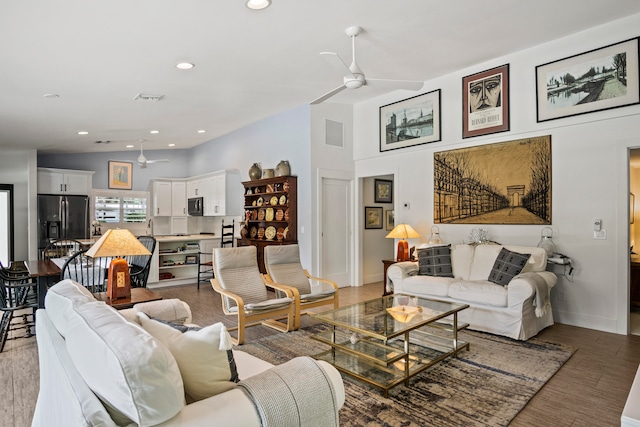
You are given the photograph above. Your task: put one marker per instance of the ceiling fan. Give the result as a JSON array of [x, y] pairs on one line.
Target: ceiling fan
[[354, 77], [143, 161]]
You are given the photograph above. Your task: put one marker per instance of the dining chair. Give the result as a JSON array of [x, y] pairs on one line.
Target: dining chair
[[244, 294], [283, 266], [89, 272], [140, 265], [18, 300], [61, 248]]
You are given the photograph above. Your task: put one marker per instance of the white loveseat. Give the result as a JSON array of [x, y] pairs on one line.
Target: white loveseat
[[518, 310], [99, 369]]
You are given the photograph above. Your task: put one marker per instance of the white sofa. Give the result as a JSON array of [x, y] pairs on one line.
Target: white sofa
[[99, 369], [503, 310]]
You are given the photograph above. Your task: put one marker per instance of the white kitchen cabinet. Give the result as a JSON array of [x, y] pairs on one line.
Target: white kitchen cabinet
[[161, 191], [178, 198], [64, 181], [195, 188], [226, 194]]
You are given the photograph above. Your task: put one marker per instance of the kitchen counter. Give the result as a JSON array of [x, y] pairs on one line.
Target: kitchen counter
[[186, 237]]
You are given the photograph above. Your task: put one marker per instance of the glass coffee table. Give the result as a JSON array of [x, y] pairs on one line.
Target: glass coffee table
[[388, 340]]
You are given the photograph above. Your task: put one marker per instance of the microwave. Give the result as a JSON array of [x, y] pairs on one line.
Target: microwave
[[195, 206]]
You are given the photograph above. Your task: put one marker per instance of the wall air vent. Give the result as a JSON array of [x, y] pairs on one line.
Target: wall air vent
[[102, 142], [147, 97]]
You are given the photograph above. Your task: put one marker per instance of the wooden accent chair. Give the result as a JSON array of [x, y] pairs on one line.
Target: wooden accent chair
[[283, 266], [244, 293]]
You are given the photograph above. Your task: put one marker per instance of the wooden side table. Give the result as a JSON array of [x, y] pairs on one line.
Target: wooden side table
[[387, 263], [138, 295]]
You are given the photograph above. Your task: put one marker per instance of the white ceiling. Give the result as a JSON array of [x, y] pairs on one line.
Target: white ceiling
[[97, 55]]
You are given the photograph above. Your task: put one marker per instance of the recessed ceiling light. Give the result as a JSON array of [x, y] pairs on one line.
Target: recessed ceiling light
[[185, 65], [172, 145], [258, 4], [51, 95], [130, 146], [202, 131], [83, 132], [154, 131]]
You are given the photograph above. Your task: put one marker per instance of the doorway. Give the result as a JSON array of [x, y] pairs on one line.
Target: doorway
[[6, 224], [634, 241], [336, 231]]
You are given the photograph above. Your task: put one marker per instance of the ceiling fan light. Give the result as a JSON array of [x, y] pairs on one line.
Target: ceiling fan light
[[258, 4]]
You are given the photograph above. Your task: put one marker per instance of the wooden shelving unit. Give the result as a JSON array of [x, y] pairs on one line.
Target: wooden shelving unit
[[271, 214]]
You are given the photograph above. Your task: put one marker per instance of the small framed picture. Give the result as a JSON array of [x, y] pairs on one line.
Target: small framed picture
[[372, 217], [597, 80], [383, 191], [485, 102], [190, 259], [389, 220], [120, 175], [410, 122]]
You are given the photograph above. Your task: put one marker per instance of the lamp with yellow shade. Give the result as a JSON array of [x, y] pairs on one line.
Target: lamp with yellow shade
[[402, 232], [118, 243]]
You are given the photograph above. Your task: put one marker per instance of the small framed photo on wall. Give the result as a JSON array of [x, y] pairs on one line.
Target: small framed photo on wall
[[383, 191], [389, 220], [120, 175], [372, 217]]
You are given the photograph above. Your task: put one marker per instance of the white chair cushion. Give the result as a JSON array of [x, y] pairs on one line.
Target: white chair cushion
[[204, 367], [427, 285], [123, 365], [480, 292]]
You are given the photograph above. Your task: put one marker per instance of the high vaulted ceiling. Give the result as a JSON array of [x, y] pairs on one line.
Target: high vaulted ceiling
[[98, 55]]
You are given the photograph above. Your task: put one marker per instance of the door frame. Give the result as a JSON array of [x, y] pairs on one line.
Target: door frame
[[359, 223], [9, 188], [323, 174]]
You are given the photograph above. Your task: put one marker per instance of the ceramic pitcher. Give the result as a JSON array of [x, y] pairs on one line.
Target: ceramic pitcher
[[283, 168]]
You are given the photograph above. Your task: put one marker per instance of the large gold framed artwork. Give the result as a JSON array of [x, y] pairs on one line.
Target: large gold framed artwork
[[503, 183]]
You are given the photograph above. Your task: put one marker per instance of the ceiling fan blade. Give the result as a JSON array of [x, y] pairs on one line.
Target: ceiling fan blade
[[395, 84], [337, 63], [328, 95], [158, 161]]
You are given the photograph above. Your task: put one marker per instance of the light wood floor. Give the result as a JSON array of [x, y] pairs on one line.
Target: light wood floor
[[589, 390]]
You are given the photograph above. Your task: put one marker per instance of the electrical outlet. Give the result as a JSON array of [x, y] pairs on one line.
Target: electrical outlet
[[561, 296], [600, 235]]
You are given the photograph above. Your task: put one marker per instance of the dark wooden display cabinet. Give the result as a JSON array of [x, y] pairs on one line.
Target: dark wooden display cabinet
[[271, 214]]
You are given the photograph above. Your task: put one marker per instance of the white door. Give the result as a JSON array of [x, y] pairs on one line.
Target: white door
[[336, 231]]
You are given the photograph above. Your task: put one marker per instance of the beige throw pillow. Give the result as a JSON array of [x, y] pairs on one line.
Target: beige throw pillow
[[203, 356]]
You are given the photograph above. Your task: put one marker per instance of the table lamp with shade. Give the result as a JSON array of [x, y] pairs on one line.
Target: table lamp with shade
[[118, 243], [402, 232]]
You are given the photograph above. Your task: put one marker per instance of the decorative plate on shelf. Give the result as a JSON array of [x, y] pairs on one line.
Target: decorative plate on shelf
[[260, 201], [283, 200], [244, 232], [285, 232], [286, 215], [270, 233], [253, 233], [279, 215], [261, 233], [273, 201], [280, 234], [269, 214], [269, 188], [260, 214], [254, 215], [254, 203]]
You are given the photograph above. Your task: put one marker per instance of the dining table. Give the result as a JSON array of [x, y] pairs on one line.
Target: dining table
[[42, 270]]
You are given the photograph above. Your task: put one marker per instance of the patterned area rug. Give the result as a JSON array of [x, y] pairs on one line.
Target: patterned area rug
[[485, 386]]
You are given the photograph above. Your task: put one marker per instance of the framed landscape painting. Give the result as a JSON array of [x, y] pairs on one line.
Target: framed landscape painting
[[485, 102], [597, 80], [372, 217], [413, 121], [502, 183]]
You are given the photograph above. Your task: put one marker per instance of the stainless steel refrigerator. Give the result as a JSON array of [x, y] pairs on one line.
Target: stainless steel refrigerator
[[62, 217]]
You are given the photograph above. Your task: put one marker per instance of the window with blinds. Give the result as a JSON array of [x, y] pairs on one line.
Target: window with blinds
[[120, 208]]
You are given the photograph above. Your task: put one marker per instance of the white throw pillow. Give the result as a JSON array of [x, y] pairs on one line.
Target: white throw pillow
[[202, 356]]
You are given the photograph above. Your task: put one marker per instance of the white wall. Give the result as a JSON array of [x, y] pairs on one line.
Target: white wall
[[14, 169], [589, 179]]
